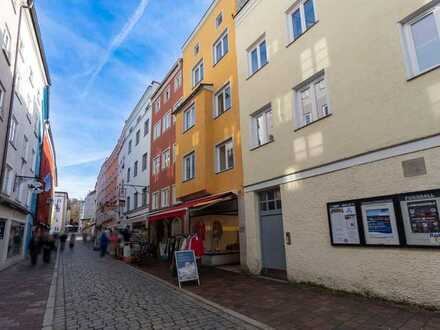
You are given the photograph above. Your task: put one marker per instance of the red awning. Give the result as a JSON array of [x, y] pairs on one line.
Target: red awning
[[181, 209]]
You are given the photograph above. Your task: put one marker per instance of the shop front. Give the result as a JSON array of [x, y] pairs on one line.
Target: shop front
[[12, 238], [212, 220]]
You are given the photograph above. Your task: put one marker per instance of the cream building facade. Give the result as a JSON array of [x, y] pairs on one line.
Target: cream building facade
[[348, 124]]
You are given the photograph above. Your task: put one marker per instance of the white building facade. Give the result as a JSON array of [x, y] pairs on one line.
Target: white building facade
[[134, 160], [20, 125]]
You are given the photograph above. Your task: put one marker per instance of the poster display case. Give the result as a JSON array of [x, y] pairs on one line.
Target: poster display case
[[344, 224], [379, 221]]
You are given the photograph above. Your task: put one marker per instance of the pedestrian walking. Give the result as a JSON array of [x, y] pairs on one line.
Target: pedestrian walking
[[35, 246], [63, 239], [103, 243], [48, 245], [72, 241]]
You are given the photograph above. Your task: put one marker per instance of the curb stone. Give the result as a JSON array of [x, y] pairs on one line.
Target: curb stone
[[49, 314]]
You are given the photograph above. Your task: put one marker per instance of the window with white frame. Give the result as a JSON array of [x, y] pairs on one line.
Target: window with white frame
[[21, 50], [224, 156], [146, 127], [198, 73], [13, 130], [300, 18], [219, 20], [166, 121], [130, 146], [25, 147], [33, 159], [156, 165], [221, 47], [7, 186], [167, 94], [138, 136], [178, 81], [189, 117], [135, 169], [6, 40], [257, 56], [196, 49], [31, 76], [261, 123], [128, 174], [2, 99], [135, 200], [174, 152], [166, 158], [157, 105], [155, 200], [157, 130], [223, 100], [422, 40], [144, 197], [189, 166], [144, 161], [128, 204], [165, 197], [311, 100]]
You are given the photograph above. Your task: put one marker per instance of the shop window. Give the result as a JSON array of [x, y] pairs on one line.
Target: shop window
[[225, 156], [16, 237], [422, 40]]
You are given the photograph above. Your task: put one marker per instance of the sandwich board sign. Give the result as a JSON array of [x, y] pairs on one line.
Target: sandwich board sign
[[186, 266]]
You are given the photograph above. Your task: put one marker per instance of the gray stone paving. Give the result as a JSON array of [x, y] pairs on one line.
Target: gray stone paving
[[102, 293]]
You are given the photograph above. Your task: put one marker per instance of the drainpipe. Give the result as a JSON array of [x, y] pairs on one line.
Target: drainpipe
[[29, 4]]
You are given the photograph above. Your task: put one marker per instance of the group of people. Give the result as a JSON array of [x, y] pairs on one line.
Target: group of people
[[111, 238], [44, 243]]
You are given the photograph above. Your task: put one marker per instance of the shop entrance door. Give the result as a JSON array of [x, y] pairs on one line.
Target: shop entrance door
[[272, 232]]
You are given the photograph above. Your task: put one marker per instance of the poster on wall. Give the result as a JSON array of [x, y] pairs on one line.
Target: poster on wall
[[344, 224], [379, 222], [421, 218]]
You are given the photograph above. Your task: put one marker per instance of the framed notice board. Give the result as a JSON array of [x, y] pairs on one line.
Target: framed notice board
[[401, 220]]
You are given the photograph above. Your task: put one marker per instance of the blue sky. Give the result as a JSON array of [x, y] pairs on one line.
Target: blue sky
[[102, 54]]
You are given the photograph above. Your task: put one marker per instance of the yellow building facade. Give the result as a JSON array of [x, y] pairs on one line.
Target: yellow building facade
[[208, 149]]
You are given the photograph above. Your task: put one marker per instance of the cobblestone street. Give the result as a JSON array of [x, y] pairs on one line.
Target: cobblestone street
[[95, 293]]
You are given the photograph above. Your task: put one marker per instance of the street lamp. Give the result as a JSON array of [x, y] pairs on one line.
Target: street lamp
[[24, 4]]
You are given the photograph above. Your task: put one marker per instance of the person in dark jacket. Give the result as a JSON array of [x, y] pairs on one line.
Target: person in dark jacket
[[48, 245], [103, 243], [63, 239], [35, 246]]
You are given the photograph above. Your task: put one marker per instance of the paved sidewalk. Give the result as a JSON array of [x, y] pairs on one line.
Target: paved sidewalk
[[23, 295], [102, 293], [289, 306]]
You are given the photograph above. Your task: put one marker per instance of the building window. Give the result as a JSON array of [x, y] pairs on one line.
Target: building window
[[189, 166], [196, 49], [422, 40], [198, 73], [167, 95], [174, 152], [144, 197], [166, 158], [166, 121], [189, 118], [7, 187], [261, 123], [301, 17], [221, 47], [157, 105], [257, 56], [223, 101], [6, 41], [146, 127], [25, 147], [178, 81], [138, 136], [135, 200], [311, 101], [155, 200], [128, 174], [157, 130], [13, 131], [225, 156], [128, 203], [165, 197], [2, 100], [144, 161], [130, 146], [219, 20], [31, 77], [156, 165], [173, 195], [135, 169]]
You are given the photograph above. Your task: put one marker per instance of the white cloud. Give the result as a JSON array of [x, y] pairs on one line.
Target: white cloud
[[117, 42]]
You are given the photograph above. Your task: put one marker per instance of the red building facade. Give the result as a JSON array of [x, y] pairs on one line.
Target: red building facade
[[48, 176], [163, 138]]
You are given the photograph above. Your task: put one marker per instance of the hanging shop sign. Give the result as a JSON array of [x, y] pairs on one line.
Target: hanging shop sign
[[420, 213], [403, 220], [379, 221], [344, 223], [186, 267]]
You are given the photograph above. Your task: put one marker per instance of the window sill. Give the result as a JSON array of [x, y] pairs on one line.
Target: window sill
[[422, 73], [188, 129], [187, 180], [262, 145], [219, 60], [313, 122], [225, 111], [258, 70], [299, 37], [223, 171]]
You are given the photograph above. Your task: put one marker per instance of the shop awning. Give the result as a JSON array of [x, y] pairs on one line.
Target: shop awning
[[181, 209]]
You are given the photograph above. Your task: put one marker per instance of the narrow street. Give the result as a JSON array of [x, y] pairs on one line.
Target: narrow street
[[108, 294]]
